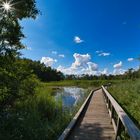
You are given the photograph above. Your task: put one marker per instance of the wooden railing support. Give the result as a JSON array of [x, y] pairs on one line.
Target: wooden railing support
[[117, 133], [112, 113], [123, 120]]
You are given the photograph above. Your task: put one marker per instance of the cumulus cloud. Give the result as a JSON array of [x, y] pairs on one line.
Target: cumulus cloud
[[80, 60], [89, 72], [61, 55], [81, 65], [118, 65], [92, 66], [48, 61], [78, 40], [105, 72], [130, 59], [68, 70], [119, 71]]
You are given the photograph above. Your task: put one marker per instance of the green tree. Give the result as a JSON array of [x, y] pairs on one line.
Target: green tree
[[10, 29], [14, 76]]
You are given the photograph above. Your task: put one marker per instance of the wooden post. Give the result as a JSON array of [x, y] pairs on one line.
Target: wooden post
[[112, 112], [118, 129]]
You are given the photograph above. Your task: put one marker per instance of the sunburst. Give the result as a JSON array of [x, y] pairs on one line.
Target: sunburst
[[8, 6]]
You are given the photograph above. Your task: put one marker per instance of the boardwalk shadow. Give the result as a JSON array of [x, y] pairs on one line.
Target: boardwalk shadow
[[87, 131]]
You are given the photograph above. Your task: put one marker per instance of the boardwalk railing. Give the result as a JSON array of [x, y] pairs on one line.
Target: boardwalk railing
[[120, 120]]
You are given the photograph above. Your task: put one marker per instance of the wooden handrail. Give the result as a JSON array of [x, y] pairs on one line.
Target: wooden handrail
[[122, 118]]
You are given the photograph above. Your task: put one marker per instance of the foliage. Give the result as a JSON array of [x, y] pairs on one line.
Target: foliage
[[127, 93], [10, 29], [37, 118], [17, 81], [20, 77], [44, 73]]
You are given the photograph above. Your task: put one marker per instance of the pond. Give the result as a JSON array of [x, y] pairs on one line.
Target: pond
[[70, 96]]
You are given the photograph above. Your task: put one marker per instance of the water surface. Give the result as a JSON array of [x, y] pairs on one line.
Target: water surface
[[70, 96]]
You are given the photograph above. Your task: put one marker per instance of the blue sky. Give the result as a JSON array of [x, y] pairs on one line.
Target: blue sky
[[78, 36]]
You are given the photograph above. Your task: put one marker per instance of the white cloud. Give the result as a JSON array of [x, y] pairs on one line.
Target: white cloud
[[81, 65], [48, 61], [119, 71], [54, 52], [78, 40], [104, 54], [99, 51], [92, 66], [118, 66], [89, 72], [80, 60], [68, 70], [105, 71], [130, 59], [61, 55]]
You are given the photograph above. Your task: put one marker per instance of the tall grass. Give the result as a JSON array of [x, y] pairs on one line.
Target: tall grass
[[127, 93], [37, 118]]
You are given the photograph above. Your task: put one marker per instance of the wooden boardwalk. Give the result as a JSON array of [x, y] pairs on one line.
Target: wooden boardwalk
[[95, 122]]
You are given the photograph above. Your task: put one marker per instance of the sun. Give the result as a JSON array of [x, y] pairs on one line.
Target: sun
[[6, 6]]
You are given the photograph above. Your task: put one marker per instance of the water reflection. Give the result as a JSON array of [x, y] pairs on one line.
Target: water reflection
[[70, 95]]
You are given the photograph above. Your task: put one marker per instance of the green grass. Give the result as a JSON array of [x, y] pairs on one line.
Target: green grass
[[40, 117], [81, 83], [127, 93]]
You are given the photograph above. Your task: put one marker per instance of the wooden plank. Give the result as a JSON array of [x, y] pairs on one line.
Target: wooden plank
[[74, 120], [95, 122]]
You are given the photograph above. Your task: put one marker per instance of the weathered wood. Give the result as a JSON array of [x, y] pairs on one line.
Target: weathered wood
[[128, 124], [118, 129], [74, 120], [95, 122]]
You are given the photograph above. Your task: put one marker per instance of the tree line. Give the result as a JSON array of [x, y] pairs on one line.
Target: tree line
[[129, 74]]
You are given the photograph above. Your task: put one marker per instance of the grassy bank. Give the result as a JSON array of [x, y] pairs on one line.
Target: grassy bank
[[127, 93], [81, 83], [38, 117]]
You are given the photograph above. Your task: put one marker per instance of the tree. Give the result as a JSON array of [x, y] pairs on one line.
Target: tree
[[10, 29], [16, 79]]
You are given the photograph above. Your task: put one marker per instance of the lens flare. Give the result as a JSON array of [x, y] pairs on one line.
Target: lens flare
[[6, 6]]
